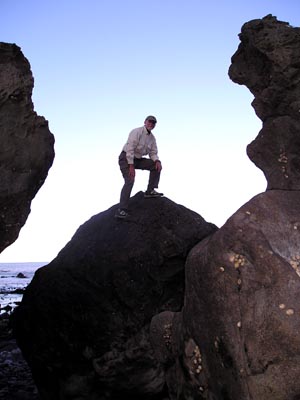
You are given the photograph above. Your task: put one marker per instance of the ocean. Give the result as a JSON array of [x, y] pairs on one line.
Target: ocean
[[14, 277]]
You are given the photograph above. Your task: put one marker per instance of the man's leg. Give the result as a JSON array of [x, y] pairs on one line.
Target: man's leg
[[128, 182], [149, 165]]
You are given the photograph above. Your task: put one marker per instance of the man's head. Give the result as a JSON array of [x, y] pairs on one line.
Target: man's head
[[150, 122]]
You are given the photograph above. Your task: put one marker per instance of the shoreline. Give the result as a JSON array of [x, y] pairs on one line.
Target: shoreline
[[16, 382]]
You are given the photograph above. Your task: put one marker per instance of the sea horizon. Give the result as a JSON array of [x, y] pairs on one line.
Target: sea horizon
[[23, 262], [14, 278]]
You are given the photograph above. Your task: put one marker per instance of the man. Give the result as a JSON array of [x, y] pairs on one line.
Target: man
[[141, 142]]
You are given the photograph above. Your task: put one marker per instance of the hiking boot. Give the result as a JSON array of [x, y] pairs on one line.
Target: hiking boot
[[152, 193], [121, 214]]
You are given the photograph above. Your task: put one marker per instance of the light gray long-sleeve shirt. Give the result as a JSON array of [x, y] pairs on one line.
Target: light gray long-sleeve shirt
[[139, 144]]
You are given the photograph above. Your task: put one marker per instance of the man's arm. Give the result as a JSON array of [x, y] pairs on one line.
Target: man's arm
[[158, 165], [131, 144], [131, 171], [154, 156]]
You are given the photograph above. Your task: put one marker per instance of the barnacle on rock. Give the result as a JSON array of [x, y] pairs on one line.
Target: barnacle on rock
[[167, 334], [238, 261], [290, 311], [231, 258], [295, 263], [283, 158], [196, 361], [216, 342]]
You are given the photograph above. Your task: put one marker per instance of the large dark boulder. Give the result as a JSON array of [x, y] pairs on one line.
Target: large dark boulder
[[237, 337], [27, 145], [83, 324], [267, 62]]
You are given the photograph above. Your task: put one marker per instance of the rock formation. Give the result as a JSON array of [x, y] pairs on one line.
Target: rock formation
[[83, 324], [237, 336], [25, 141], [268, 63]]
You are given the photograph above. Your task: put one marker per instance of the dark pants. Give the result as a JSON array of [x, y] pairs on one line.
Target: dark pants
[[139, 163]]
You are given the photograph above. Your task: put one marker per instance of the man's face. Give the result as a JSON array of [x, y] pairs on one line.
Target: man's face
[[150, 124]]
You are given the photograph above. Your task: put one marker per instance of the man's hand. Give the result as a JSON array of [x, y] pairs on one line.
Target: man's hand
[[131, 171], [158, 166]]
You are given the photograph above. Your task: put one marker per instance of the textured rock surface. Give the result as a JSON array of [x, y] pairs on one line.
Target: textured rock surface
[[268, 63], [83, 324], [16, 381], [25, 141], [237, 337]]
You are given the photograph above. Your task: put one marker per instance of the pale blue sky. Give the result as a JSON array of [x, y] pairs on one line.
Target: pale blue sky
[[100, 67]]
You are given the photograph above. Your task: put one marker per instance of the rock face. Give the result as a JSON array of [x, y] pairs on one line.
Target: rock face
[[237, 337], [83, 324], [25, 140], [267, 62]]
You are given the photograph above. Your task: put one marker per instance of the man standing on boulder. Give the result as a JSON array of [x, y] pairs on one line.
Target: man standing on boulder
[[141, 142]]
